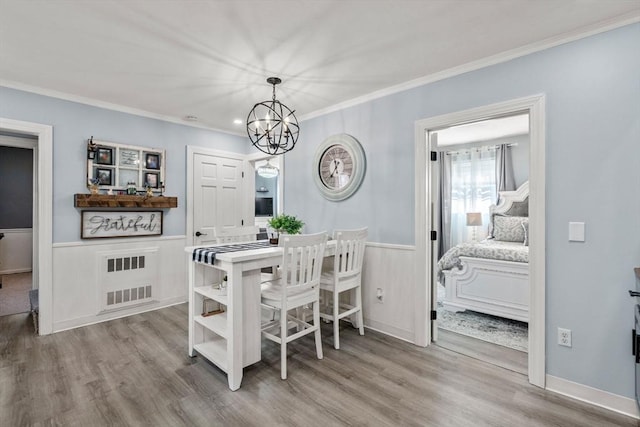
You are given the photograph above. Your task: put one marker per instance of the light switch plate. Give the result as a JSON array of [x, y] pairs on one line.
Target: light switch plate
[[576, 231]]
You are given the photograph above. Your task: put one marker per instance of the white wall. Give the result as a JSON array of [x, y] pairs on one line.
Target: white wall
[[16, 250]]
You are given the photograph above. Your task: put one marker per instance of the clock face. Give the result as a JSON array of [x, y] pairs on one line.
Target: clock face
[[339, 166], [336, 167]]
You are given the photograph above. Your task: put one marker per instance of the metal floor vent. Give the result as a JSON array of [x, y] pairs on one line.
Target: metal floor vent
[[127, 278]]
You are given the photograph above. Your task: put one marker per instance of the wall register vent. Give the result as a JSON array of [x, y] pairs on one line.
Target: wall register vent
[[127, 278]]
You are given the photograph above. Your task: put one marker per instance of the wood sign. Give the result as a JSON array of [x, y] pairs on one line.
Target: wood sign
[[103, 224]]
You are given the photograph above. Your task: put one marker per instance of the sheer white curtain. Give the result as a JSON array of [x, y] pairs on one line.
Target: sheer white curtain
[[473, 189]]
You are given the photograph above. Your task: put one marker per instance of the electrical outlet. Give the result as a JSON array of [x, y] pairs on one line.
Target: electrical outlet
[[564, 337], [379, 295]]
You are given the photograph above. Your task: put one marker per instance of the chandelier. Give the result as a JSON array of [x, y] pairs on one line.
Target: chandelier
[[271, 125], [268, 170]]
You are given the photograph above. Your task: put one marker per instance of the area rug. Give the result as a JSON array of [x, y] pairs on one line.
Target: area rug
[[497, 330], [14, 294]]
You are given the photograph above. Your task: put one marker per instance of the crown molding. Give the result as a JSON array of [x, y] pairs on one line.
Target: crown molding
[[107, 105]]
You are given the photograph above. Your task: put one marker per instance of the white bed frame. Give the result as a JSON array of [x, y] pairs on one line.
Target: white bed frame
[[500, 288]]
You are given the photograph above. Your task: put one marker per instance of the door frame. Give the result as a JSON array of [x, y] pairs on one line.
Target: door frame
[[252, 159], [42, 214], [535, 107]]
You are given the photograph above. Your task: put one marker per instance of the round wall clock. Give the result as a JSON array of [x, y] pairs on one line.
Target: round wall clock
[[339, 165]]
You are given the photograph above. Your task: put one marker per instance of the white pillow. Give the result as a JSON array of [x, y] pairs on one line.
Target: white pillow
[[509, 228]]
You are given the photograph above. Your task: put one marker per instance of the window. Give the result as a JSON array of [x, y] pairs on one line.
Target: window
[[473, 189]]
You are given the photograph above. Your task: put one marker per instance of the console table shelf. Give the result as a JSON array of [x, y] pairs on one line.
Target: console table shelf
[[123, 201]]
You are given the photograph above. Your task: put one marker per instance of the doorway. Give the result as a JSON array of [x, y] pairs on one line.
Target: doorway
[[42, 262], [17, 159], [426, 248], [480, 288]]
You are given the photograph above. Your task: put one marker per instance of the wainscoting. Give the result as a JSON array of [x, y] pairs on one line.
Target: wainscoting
[[391, 269], [98, 281]]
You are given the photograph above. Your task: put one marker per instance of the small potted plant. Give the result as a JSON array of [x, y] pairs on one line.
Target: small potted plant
[[283, 223]]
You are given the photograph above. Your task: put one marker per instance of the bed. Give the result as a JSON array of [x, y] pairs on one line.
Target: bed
[[492, 276]]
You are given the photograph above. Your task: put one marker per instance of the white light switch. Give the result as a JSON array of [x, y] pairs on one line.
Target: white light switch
[[576, 231]]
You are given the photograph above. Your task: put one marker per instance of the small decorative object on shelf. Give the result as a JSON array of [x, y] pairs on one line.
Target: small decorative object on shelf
[[94, 185], [210, 311], [149, 190], [131, 188]]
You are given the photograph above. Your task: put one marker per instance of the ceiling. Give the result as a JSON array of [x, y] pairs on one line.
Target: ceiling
[[210, 59], [484, 130]]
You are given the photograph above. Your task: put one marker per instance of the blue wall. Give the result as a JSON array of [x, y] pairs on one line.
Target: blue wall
[[74, 123], [592, 89]]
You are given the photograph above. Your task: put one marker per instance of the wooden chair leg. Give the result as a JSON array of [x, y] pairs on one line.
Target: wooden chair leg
[[359, 312], [336, 321], [283, 344], [316, 323]]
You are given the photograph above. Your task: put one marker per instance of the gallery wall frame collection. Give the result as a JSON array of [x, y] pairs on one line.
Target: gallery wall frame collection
[[117, 167]]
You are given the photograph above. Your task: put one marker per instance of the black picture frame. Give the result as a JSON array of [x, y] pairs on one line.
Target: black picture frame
[[104, 156], [152, 161], [151, 179], [104, 176]]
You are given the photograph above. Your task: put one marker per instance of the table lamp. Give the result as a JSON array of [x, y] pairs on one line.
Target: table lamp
[[474, 219]]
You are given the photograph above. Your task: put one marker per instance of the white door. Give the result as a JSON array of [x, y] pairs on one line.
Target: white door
[[217, 195]]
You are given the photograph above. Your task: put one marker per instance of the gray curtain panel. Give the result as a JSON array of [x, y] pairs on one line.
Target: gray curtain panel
[[505, 180], [444, 199]]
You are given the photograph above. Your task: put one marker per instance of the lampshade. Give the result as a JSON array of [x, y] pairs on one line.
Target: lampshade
[[474, 218], [272, 127], [268, 170]]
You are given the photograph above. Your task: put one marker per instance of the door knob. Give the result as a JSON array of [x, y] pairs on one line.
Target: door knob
[[198, 234]]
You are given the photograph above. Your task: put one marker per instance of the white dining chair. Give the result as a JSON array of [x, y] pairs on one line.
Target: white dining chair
[[236, 234], [346, 275], [297, 286]]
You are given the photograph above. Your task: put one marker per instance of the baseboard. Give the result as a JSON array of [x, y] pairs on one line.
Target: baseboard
[[15, 271], [104, 317], [613, 402], [389, 330]]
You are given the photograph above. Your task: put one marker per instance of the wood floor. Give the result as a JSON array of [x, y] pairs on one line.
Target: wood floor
[[504, 357], [135, 371]]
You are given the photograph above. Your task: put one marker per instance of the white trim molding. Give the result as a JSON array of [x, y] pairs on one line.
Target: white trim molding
[[42, 214], [613, 402], [535, 107]]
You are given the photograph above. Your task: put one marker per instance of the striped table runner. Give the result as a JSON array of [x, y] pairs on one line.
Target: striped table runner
[[208, 255]]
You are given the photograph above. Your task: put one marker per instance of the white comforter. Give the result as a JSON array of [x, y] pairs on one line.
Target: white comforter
[[491, 249]]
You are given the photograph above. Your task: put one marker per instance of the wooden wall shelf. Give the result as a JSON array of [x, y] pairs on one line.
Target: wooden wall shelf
[[123, 201]]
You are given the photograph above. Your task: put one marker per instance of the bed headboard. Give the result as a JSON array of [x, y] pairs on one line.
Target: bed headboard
[[513, 203]]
